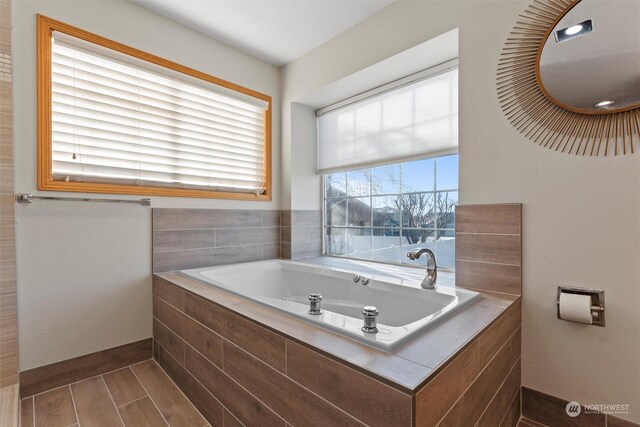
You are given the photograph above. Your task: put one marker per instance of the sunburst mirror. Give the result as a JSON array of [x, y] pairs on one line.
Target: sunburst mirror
[[569, 76]]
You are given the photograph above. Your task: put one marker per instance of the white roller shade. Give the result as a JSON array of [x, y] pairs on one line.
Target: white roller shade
[[117, 119], [414, 120]]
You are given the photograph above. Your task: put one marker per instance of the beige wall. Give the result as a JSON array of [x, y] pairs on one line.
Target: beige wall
[[84, 270], [581, 215]]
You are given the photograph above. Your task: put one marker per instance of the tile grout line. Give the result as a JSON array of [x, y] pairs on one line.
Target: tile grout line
[[225, 373], [180, 390], [226, 246], [128, 403], [73, 401], [350, 368], [506, 343], [520, 391], [189, 373], [500, 387], [112, 401], [486, 233], [150, 398], [240, 422], [489, 290], [489, 262], [316, 395]]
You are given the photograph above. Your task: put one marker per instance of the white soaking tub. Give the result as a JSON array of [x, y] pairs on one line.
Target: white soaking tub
[[406, 309]]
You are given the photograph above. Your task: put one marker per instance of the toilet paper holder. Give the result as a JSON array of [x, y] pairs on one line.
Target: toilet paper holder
[[597, 302]]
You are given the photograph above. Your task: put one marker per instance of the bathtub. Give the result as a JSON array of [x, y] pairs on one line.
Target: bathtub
[[405, 309]]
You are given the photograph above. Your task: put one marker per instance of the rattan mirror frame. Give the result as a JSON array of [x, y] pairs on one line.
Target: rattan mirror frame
[[540, 117]]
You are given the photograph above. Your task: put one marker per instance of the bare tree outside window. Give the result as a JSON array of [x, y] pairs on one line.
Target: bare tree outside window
[[381, 213]]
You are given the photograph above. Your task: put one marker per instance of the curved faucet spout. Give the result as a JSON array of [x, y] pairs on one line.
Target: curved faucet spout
[[429, 281]]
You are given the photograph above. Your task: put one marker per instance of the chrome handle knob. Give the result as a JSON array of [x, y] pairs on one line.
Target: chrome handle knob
[[370, 325], [315, 304]]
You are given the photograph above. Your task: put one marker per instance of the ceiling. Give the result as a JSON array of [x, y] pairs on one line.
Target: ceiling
[[276, 31]]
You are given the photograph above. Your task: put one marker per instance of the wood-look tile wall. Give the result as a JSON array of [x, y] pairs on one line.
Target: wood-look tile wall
[[191, 238], [481, 386], [227, 364], [489, 247], [301, 234], [8, 300]]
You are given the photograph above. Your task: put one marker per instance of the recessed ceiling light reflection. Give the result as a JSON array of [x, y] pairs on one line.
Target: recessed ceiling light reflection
[[573, 30], [577, 30], [604, 103]]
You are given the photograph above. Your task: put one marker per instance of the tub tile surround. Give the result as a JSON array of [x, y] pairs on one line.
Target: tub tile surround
[[232, 356], [301, 234], [292, 371], [489, 245], [192, 238]]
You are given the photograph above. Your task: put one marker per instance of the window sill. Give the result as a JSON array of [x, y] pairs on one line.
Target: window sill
[[84, 187]]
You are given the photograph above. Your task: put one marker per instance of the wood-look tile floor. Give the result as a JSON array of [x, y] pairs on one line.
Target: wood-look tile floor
[[136, 396], [528, 423]]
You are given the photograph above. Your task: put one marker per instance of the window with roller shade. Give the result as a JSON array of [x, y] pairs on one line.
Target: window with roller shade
[[117, 120], [390, 166]]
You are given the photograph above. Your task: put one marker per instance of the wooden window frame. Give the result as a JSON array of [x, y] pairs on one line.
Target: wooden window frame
[[45, 180]]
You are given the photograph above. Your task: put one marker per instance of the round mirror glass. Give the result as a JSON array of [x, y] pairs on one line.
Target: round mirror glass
[[590, 62]]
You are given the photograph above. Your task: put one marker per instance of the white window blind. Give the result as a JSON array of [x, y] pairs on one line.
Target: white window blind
[[118, 119], [416, 119]]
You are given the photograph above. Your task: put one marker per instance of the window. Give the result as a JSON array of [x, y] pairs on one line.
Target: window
[[378, 211], [113, 119], [382, 213]]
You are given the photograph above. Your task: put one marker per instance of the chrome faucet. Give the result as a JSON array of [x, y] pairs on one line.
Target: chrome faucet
[[429, 281]]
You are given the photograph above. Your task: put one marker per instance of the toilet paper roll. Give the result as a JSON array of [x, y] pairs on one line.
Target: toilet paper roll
[[576, 308]]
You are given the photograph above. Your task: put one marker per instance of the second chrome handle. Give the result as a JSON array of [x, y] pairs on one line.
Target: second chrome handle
[[315, 301]]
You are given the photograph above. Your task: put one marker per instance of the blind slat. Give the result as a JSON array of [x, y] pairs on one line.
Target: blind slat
[[126, 134], [151, 156], [96, 84], [172, 150], [149, 121], [122, 72], [418, 119], [115, 122], [161, 109]]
